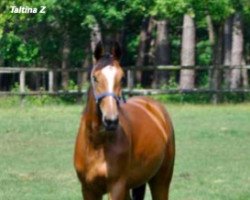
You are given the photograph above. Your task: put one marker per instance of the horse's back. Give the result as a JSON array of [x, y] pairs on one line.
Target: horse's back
[[152, 136]]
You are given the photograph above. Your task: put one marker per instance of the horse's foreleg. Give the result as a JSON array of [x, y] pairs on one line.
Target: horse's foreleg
[[139, 192], [159, 192], [126, 197], [159, 185], [90, 194], [118, 191]]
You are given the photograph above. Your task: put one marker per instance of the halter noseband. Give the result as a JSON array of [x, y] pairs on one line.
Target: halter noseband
[[99, 97]]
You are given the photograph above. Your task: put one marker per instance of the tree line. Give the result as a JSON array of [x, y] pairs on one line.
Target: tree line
[[151, 32]]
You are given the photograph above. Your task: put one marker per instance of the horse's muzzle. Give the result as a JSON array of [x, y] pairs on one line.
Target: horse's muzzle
[[111, 124]]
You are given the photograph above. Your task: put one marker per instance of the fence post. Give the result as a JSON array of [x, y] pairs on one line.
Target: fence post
[[22, 81], [51, 81], [130, 80], [22, 85]]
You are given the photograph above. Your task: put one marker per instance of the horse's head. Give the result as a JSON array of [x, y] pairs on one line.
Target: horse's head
[[106, 78]]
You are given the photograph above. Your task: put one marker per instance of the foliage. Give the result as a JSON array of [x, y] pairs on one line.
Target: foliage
[[28, 40], [72, 85], [204, 52], [171, 84], [175, 49], [40, 100], [165, 9], [184, 98]]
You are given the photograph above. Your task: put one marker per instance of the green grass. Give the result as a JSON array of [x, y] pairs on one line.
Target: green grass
[[212, 160]]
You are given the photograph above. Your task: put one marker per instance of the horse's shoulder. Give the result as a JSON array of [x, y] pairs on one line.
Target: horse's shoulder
[[148, 105]]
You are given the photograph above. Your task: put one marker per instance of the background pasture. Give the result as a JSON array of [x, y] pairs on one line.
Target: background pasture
[[212, 161]]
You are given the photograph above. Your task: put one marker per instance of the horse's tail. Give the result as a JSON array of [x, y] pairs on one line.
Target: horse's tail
[[139, 192]]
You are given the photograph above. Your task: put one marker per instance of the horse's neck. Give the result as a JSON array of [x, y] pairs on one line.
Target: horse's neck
[[91, 109], [91, 106], [93, 119]]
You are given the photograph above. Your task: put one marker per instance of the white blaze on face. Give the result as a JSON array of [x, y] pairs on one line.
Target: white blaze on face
[[109, 73]]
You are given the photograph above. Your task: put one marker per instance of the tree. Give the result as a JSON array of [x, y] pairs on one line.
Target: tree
[[240, 8], [227, 42], [143, 47], [65, 60], [162, 52], [237, 51], [215, 13], [63, 36], [164, 13], [187, 76]]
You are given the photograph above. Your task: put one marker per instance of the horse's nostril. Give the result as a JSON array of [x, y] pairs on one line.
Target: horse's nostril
[[111, 124], [111, 121]]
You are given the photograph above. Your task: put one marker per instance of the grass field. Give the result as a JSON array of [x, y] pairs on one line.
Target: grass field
[[212, 161]]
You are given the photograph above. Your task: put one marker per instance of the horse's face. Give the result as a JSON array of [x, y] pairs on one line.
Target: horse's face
[[106, 83]]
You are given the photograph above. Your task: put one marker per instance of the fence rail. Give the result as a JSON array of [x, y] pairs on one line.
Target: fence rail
[[130, 73]]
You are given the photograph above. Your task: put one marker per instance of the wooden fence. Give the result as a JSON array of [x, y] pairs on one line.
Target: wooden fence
[[129, 89]]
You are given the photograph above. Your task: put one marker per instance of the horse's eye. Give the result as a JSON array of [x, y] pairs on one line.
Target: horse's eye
[[94, 79]]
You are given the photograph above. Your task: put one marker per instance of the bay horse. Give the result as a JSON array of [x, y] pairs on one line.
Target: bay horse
[[120, 145]]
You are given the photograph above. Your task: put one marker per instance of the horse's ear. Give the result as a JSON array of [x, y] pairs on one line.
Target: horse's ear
[[98, 51], [116, 51]]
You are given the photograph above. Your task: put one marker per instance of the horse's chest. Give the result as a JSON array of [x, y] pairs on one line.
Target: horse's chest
[[105, 165], [97, 170]]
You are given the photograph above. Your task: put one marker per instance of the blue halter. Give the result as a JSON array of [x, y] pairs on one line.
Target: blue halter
[[118, 99]]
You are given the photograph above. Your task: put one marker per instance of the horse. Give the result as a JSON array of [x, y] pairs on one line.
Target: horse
[[122, 145]]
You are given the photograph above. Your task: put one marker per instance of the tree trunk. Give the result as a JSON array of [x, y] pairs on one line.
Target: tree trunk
[[215, 78], [237, 51], [227, 49], [65, 61], [162, 53], [142, 49], [244, 74], [187, 76], [215, 36], [35, 81], [143, 57], [210, 29], [86, 63], [148, 75]]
